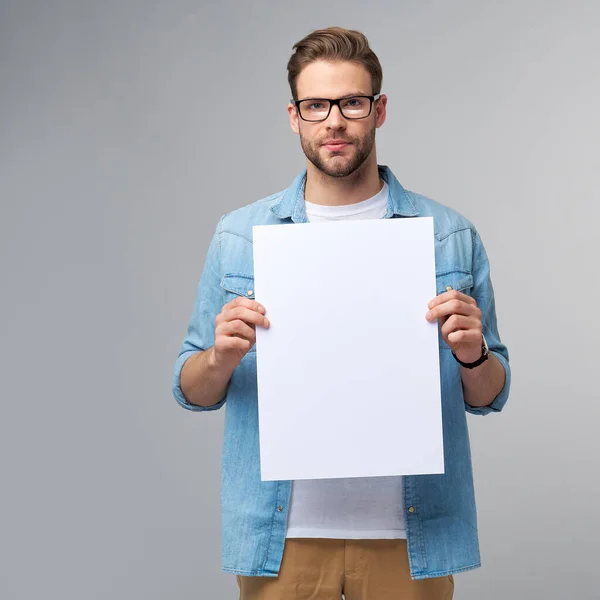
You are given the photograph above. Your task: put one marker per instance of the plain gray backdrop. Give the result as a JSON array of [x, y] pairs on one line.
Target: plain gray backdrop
[[128, 128]]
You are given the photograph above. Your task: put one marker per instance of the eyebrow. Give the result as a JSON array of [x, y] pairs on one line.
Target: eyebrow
[[350, 95]]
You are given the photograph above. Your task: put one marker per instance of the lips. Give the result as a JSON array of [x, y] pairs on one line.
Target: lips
[[336, 145]]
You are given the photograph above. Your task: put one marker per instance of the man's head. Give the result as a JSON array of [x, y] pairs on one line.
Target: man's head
[[336, 64]]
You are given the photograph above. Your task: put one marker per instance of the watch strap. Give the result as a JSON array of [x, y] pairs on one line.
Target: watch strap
[[484, 356]]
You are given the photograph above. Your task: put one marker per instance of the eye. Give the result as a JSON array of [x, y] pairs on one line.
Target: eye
[[354, 102], [316, 106]]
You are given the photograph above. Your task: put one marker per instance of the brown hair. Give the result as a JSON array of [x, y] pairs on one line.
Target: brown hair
[[334, 43]]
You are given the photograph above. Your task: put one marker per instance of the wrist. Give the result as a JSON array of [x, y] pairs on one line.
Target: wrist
[[211, 358], [220, 362], [471, 361]]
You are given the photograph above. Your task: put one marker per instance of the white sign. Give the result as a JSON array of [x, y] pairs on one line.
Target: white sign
[[348, 372]]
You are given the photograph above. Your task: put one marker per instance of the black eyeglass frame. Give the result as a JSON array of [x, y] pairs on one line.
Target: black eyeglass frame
[[332, 103]]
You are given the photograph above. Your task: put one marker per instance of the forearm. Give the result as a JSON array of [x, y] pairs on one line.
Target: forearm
[[203, 382], [482, 384]]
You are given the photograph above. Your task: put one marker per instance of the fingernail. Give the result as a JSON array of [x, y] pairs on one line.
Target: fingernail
[[428, 316], [430, 304]]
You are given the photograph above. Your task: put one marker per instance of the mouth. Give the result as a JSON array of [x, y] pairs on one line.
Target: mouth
[[336, 145]]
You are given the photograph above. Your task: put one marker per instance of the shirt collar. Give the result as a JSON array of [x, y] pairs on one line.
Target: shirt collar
[[290, 205]]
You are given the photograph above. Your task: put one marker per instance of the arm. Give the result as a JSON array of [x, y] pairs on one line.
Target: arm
[[463, 319], [482, 384], [202, 382], [205, 375], [217, 339]]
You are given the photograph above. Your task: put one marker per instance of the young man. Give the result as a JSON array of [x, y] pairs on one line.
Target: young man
[[376, 538]]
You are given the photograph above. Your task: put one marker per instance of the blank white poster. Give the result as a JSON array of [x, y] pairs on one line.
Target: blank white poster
[[348, 372]]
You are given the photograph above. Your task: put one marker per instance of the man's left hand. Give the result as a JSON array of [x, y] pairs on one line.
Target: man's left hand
[[460, 322]]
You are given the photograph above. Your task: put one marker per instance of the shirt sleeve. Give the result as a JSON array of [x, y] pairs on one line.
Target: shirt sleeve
[[201, 327], [483, 292]]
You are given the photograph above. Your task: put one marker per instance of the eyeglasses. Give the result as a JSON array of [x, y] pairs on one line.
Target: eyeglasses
[[318, 109]]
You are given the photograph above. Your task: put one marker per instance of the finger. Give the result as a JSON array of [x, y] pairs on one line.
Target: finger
[[225, 315], [465, 336], [224, 343], [460, 322], [247, 315], [451, 295], [247, 303], [453, 307], [239, 329]]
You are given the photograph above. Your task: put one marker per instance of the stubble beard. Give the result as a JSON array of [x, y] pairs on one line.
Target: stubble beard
[[338, 165]]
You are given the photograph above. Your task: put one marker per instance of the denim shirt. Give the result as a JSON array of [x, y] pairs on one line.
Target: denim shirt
[[441, 520]]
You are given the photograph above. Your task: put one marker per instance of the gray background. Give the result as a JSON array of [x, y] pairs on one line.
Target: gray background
[[128, 128]]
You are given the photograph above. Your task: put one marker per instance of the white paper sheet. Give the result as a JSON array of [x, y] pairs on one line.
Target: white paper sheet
[[348, 372]]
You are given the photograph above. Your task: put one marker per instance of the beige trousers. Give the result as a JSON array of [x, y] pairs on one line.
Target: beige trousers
[[324, 569]]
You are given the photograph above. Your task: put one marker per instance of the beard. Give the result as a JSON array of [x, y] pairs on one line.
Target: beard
[[339, 164]]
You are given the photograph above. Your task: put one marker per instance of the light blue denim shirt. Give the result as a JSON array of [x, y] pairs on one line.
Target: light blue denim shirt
[[441, 520]]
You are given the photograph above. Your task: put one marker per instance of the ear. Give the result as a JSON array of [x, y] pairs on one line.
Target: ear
[[293, 113], [380, 111]]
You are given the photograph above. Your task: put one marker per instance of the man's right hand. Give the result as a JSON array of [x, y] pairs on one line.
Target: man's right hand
[[235, 331], [205, 376]]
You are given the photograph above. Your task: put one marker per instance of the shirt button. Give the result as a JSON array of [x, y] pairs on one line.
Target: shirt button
[[280, 509], [448, 288], [411, 509], [250, 292]]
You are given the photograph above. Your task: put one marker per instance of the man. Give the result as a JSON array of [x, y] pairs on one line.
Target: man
[[369, 538]]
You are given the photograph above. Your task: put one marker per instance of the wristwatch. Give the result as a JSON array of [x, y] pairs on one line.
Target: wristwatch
[[485, 354]]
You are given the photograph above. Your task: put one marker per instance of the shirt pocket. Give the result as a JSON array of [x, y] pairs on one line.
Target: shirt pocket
[[238, 284], [459, 280]]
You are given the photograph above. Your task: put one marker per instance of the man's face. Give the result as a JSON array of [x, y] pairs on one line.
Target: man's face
[[334, 80]]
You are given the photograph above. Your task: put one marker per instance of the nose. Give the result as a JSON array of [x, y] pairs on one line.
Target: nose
[[336, 120]]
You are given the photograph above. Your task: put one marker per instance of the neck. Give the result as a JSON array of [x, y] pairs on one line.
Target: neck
[[323, 189]]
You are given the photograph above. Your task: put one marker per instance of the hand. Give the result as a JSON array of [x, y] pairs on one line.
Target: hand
[[460, 322], [235, 330]]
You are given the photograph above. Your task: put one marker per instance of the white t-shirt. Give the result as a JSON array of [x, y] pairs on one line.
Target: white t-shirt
[[354, 508], [372, 208]]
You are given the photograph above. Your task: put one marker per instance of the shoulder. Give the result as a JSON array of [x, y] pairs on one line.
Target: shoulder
[[241, 220], [446, 220]]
